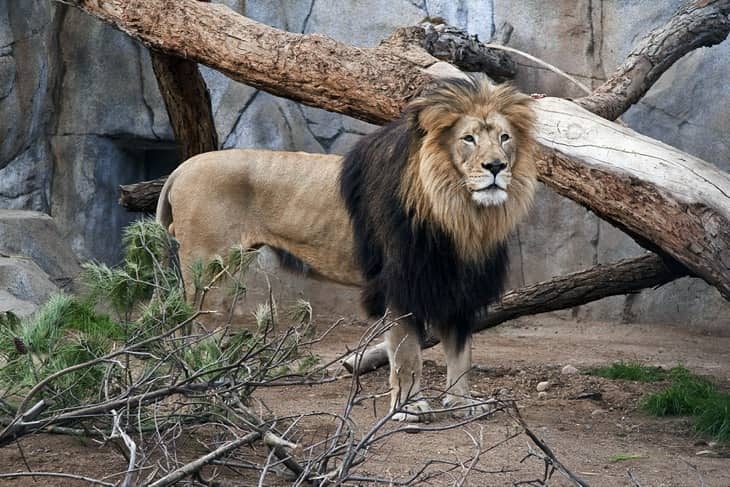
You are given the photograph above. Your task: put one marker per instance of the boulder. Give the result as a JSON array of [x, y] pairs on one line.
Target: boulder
[[32, 237], [23, 285]]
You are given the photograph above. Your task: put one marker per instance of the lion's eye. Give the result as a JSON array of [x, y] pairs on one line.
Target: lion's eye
[[504, 138], [469, 139]]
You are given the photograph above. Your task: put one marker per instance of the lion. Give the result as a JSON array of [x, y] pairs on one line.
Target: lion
[[417, 215]]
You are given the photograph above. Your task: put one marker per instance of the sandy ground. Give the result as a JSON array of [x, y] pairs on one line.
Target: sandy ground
[[585, 420]]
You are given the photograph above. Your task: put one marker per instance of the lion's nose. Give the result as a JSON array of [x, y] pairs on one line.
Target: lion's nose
[[495, 166]]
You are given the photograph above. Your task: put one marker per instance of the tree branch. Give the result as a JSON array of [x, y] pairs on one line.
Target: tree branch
[[696, 23], [604, 280], [455, 46], [141, 196], [188, 103]]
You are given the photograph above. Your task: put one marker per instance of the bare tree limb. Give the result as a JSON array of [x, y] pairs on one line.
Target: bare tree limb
[[550, 456], [195, 465], [455, 46], [57, 475], [141, 196], [306, 68], [696, 23], [624, 277], [188, 103]]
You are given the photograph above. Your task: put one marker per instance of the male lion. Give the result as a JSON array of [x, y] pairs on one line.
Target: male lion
[[417, 214]]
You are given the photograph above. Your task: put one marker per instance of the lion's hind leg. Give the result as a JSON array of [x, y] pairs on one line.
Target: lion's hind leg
[[458, 397], [404, 355]]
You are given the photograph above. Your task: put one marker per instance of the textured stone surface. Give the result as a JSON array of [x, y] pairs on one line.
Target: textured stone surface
[[25, 180], [273, 123], [88, 172], [562, 33], [23, 285], [80, 113], [27, 70], [108, 85], [34, 236]]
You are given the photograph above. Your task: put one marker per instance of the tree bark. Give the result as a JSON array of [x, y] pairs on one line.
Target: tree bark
[[188, 103], [455, 46], [697, 23], [372, 84], [671, 202], [688, 221], [623, 277], [141, 196]]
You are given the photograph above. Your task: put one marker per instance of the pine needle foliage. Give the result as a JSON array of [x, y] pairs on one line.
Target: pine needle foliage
[[153, 320], [64, 332]]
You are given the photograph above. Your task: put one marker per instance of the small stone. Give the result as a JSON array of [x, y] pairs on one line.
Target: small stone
[[542, 395], [569, 370], [504, 392], [706, 453], [596, 412], [543, 386]]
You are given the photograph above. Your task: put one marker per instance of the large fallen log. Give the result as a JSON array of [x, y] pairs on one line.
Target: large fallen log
[[670, 201], [689, 217]]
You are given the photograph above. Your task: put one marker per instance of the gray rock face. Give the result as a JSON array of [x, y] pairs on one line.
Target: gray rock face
[[25, 180], [27, 75], [89, 170], [35, 261], [34, 236], [80, 114], [23, 286], [108, 85]]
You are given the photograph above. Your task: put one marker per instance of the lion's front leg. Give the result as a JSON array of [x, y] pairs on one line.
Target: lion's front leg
[[458, 364], [404, 355]]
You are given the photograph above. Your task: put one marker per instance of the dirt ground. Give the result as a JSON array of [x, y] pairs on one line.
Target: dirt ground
[[586, 421]]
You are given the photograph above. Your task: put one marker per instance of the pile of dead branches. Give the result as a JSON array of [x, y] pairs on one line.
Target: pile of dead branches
[[150, 370], [131, 365]]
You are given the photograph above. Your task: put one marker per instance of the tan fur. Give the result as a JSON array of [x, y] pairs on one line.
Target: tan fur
[[288, 200]]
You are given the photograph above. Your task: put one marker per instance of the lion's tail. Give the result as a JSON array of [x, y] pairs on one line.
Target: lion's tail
[[164, 210]]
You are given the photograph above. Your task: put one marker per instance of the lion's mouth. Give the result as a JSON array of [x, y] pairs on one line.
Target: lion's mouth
[[486, 188]]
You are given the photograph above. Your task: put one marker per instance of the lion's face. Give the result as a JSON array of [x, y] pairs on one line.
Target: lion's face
[[471, 167], [482, 152]]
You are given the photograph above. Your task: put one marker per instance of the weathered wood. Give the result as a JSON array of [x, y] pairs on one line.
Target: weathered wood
[[623, 277], [453, 45], [669, 200], [696, 23], [369, 84], [373, 84], [141, 196], [188, 103]]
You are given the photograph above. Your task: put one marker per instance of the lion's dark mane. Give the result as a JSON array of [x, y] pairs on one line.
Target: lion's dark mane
[[410, 266]]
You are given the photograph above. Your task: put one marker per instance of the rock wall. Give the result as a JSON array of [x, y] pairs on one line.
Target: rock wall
[[80, 113]]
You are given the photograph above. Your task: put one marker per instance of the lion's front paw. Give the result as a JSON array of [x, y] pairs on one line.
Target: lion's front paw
[[417, 411], [467, 407]]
